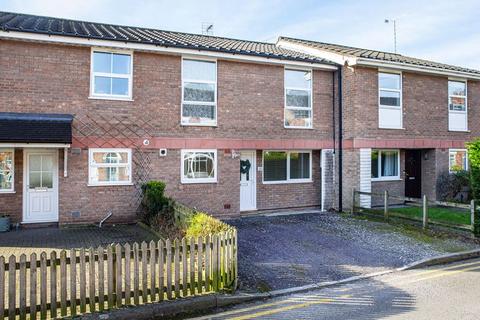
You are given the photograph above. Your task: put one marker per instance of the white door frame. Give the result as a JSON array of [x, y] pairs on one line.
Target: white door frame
[[253, 169], [25, 188]]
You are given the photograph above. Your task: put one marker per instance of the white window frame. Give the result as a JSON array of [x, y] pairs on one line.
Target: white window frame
[[310, 108], [457, 150], [205, 124], [288, 152], [386, 178], [128, 165], [12, 189], [186, 180], [380, 106], [457, 96], [94, 95]]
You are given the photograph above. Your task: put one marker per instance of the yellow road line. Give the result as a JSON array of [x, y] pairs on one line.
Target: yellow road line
[[444, 274], [282, 309], [261, 306]]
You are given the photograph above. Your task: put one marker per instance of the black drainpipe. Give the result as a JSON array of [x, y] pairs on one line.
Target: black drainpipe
[[340, 138]]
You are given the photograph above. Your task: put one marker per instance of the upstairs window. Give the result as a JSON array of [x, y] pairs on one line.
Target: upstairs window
[[385, 164], [457, 106], [458, 160], [390, 100], [111, 75], [298, 99], [199, 96], [6, 170]]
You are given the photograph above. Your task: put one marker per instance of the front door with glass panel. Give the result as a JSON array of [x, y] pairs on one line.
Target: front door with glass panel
[[248, 192], [40, 186]]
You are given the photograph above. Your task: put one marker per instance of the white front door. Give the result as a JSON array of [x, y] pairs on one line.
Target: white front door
[[40, 192], [248, 192]]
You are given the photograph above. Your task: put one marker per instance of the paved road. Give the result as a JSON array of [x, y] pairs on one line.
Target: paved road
[[277, 252], [441, 292]]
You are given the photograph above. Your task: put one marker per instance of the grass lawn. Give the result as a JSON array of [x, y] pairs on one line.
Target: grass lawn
[[451, 215]]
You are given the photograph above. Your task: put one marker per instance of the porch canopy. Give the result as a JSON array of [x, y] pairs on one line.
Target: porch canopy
[[17, 129]]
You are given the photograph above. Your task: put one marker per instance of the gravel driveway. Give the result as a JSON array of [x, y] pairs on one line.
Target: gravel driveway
[[277, 252]]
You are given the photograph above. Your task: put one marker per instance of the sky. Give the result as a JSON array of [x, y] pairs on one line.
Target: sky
[[446, 31]]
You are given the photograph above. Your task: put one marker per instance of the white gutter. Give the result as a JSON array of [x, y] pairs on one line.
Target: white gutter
[[26, 36], [415, 68], [351, 61]]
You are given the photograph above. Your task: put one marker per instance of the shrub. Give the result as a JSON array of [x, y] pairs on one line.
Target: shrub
[[454, 186], [474, 159], [154, 200], [201, 224]]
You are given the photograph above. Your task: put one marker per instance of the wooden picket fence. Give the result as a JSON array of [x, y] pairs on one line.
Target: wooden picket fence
[[77, 281]]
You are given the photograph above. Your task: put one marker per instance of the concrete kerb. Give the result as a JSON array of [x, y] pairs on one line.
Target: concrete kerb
[[192, 305]]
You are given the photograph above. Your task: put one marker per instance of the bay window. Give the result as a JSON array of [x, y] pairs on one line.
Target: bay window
[[110, 167], [298, 99], [385, 165], [199, 166], [6, 170], [287, 166], [199, 92], [390, 100], [111, 75]]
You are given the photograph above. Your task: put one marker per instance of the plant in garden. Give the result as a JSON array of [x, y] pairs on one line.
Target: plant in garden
[[474, 158], [201, 224], [454, 186], [154, 200]]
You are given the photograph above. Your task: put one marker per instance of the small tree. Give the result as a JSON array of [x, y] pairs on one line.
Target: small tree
[[154, 199], [474, 158]]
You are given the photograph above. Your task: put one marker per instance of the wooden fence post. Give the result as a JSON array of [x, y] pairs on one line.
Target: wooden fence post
[[425, 212], [2, 286], [385, 205], [353, 200], [474, 218]]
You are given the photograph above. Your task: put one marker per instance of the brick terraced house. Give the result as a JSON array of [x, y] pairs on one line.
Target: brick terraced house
[[405, 120], [90, 111]]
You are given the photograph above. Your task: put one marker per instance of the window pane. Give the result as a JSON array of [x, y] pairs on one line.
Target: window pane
[[388, 98], [298, 79], [6, 180], [199, 70], [198, 113], [35, 180], [102, 62], [6, 170], [298, 118], [389, 163], [199, 165], [110, 157], [389, 81], [35, 163], [102, 85], [203, 92], [298, 98], [121, 63], [458, 160], [6, 161], [47, 179], [110, 174], [274, 166], [299, 165], [456, 88], [374, 164], [120, 86], [47, 163], [457, 104]]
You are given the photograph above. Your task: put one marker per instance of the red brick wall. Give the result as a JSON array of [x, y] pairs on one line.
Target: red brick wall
[[289, 195], [55, 79]]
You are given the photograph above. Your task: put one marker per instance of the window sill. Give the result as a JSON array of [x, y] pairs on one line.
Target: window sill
[[389, 128], [461, 131], [8, 192], [386, 179], [198, 182], [288, 182], [110, 185], [304, 128], [110, 98], [213, 125]]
